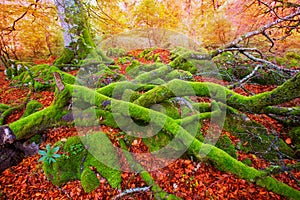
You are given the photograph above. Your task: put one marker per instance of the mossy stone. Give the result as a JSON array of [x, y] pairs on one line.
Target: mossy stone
[[89, 180]]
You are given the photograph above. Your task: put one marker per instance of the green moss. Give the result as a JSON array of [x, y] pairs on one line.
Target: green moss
[[106, 118], [278, 187], [37, 138], [294, 134], [104, 58], [157, 81], [197, 149], [181, 59], [119, 87], [202, 107], [226, 57], [65, 168], [16, 69], [3, 107], [76, 163], [103, 157], [66, 57], [226, 145], [184, 64], [256, 140], [113, 67], [154, 74], [291, 59], [179, 74], [133, 72], [41, 77], [89, 180], [124, 59], [25, 127], [32, 107], [247, 161], [133, 65], [43, 119], [63, 98], [158, 141], [292, 55], [130, 95], [116, 52], [232, 66]]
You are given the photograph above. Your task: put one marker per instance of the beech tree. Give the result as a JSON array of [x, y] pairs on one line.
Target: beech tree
[[78, 40]]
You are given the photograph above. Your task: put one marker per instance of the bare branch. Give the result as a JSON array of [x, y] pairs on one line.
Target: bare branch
[[129, 191], [270, 64], [246, 78], [273, 10], [12, 28], [235, 42]]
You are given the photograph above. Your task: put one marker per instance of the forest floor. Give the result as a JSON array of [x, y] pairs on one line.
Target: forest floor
[[185, 178]]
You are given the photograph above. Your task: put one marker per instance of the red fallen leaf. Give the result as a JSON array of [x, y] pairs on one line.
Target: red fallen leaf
[[252, 190], [288, 141]]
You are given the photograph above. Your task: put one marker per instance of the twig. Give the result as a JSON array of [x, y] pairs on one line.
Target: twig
[[270, 64], [271, 40], [240, 82], [129, 191]]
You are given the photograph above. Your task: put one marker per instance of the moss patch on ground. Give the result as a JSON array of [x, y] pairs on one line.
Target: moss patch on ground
[[80, 156]]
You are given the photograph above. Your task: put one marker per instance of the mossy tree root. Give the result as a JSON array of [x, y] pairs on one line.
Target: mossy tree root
[[43, 119], [196, 148], [6, 113], [219, 158], [119, 87], [257, 103], [277, 110]]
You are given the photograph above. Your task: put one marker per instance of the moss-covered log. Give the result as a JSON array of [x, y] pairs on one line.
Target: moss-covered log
[[138, 111], [6, 111], [196, 148], [257, 103], [284, 111], [43, 119]]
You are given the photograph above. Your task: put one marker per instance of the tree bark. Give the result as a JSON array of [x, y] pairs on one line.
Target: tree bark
[[78, 40]]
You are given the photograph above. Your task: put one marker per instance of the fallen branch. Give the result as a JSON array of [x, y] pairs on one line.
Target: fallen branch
[[270, 64], [257, 103], [130, 191], [239, 83]]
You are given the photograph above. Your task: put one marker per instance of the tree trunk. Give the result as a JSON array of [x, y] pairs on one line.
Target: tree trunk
[[78, 40]]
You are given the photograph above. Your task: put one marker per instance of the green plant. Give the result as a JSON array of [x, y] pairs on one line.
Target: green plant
[[76, 148], [49, 155]]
